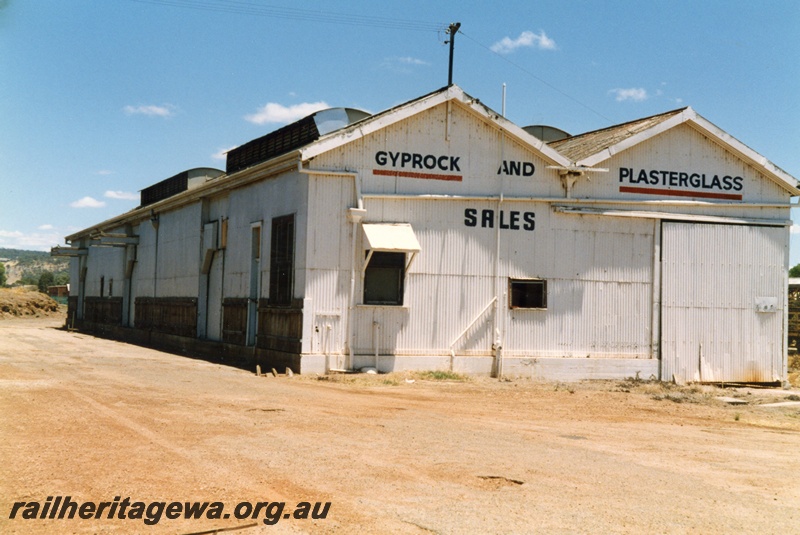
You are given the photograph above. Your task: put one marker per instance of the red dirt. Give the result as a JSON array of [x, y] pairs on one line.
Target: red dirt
[[94, 419]]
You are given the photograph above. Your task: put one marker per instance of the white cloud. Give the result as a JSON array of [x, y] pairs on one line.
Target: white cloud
[[272, 112], [636, 94], [404, 65], [87, 202], [412, 61], [121, 195], [221, 154], [104, 172], [150, 110], [794, 229], [45, 227], [35, 241], [526, 39]]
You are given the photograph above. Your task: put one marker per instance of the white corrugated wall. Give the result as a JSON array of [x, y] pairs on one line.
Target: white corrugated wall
[[598, 272], [714, 279]]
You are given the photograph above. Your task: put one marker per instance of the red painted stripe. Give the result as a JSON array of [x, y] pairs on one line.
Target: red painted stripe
[[406, 174], [681, 193]]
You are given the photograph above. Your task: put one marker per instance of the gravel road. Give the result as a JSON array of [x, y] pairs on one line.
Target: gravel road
[[96, 420]]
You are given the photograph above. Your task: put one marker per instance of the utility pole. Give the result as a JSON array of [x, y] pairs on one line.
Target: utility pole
[[452, 30]]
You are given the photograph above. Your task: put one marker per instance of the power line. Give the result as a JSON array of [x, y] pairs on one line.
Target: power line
[[540, 80], [242, 7]]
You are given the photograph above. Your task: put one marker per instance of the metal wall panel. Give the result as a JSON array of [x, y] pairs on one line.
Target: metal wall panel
[[263, 201], [143, 280], [217, 211], [329, 249], [682, 148], [479, 146], [108, 264], [599, 273], [714, 279], [178, 262]]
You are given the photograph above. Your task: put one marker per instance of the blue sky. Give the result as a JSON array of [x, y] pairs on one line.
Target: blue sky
[[101, 98]]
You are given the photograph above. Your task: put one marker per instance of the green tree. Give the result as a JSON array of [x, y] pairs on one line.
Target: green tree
[[46, 279], [2, 274], [795, 271]]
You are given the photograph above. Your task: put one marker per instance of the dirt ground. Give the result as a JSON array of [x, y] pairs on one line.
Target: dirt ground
[[95, 419]]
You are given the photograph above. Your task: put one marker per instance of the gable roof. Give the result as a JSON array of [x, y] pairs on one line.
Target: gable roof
[[582, 146], [452, 93], [576, 152], [591, 148], [284, 160]]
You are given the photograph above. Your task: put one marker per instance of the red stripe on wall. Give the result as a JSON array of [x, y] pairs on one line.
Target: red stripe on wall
[[407, 174], [681, 193]]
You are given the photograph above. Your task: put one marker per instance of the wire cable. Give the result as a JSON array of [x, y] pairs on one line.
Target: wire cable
[[242, 7], [540, 80]]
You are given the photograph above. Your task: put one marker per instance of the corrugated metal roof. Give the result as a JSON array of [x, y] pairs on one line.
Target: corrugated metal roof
[[582, 146]]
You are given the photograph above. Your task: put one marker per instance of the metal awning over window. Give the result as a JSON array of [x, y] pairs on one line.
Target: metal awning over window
[[390, 237]]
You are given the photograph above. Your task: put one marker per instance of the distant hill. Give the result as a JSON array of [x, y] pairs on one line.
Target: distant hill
[[25, 267]]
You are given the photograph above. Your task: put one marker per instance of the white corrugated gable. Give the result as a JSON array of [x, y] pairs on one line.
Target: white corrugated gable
[[690, 117]]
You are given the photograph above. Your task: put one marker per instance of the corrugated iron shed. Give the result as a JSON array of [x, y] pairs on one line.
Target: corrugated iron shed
[[504, 270]]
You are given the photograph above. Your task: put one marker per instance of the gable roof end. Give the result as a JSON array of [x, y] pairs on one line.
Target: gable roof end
[[394, 115], [591, 148]]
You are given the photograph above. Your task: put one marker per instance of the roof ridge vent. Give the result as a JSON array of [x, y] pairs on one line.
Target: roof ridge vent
[[179, 183], [546, 133], [291, 137]]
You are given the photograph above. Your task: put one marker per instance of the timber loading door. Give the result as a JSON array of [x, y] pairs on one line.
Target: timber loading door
[[723, 292]]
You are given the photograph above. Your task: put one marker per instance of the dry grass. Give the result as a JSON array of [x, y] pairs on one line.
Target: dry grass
[[15, 302], [394, 378], [794, 370]]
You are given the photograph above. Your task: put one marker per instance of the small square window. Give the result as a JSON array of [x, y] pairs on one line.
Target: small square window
[[383, 279], [527, 293]]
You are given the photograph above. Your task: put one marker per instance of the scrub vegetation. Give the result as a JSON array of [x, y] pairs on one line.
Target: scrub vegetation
[[33, 268], [394, 378], [440, 375]]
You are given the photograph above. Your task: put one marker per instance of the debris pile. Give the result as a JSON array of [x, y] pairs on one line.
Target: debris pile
[[15, 302]]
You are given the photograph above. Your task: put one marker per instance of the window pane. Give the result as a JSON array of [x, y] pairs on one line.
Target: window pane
[[528, 294], [383, 279], [281, 262]]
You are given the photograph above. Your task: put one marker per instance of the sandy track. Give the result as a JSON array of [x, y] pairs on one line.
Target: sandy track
[[94, 419]]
